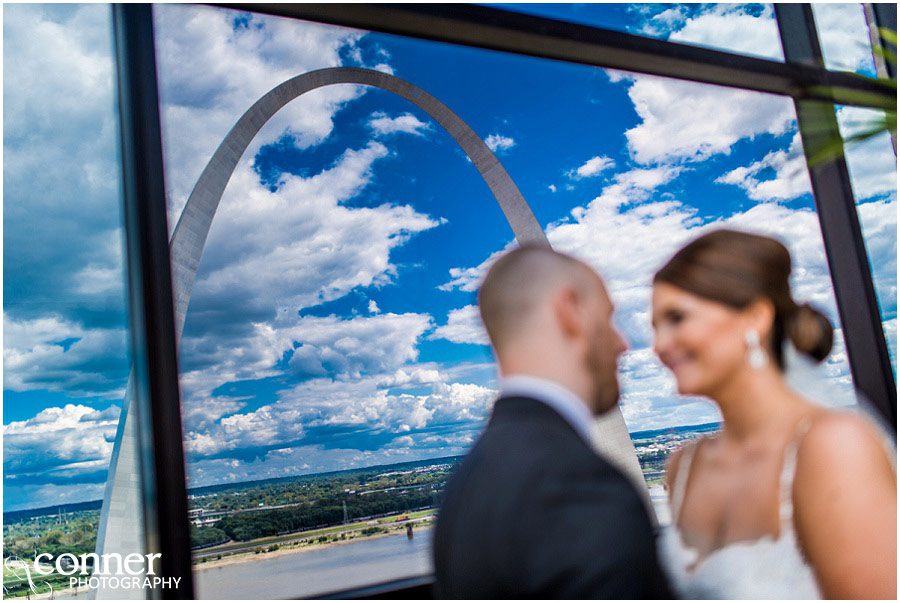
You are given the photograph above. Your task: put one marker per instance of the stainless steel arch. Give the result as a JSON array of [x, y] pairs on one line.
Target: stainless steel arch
[[118, 530], [193, 226]]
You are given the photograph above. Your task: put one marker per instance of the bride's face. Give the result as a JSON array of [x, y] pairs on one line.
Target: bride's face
[[700, 341]]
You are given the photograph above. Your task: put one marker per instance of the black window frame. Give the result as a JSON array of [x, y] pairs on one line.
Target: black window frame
[[801, 77]]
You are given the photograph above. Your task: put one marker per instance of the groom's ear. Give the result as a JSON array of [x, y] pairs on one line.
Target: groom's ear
[[567, 307]]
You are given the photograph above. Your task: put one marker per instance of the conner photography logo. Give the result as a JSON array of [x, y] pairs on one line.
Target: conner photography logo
[[90, 570]]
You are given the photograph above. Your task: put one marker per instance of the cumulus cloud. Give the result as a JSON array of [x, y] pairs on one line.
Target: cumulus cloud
[[346, 349], [752, 30], [469, 279], [407, 123], [292, 248], [243, 316], [314, 458], [844, 36], [628, 188], [463, 326], [414, 377], [360, 414], [349, 348], [235, 59], [60, 107], [790, 178], [64, 356], [687, 121], [732, 28], [499, 143], [871, 163], [81, 444], [663, 22], [878, 220], [592, 167]]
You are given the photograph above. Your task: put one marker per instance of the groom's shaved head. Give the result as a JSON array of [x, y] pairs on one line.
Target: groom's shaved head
[[520, 281]]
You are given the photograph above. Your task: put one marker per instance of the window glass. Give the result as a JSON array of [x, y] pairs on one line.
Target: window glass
[[872, 163], [66, 357], [333, 367], [740, 28]]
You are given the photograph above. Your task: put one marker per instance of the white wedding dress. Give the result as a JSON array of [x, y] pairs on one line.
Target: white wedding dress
[[767, 568]]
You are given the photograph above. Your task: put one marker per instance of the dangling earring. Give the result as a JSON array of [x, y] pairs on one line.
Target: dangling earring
[[756, 356]]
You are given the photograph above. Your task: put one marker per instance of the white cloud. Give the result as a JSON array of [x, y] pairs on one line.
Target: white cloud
[[730, 28], [60, 355], [350, 348], [591, 167], [871, 163], [232, 63], [690, 121], [275, 251], [687, 121], [59, 444], [497, 142], [330, 410], [789, 182], [59, 105], [373, 307], [318, 458], [407, 123], [666, 20], [552, 188], [463, 326], [469, 279], [414, 377], [844, 36], [878, 220], [635, 184]]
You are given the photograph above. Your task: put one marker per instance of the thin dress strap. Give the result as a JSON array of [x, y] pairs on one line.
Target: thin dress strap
[[681, 479], [788, 471]]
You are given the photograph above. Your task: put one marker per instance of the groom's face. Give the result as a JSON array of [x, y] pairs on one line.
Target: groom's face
[[602, 357]]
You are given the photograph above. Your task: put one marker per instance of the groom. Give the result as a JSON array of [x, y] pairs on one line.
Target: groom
[[533, 511]]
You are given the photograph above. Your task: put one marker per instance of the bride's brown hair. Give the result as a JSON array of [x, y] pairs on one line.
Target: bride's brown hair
[[736, 268]]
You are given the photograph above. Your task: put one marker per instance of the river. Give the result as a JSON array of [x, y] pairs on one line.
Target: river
[[309, 573]]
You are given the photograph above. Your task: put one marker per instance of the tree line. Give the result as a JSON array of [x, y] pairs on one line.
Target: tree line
[[324, 512]]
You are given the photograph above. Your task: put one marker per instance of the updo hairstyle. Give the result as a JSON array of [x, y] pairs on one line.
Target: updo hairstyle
[[737, 268]]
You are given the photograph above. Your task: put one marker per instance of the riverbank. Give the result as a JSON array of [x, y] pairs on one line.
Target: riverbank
[[293, 547]]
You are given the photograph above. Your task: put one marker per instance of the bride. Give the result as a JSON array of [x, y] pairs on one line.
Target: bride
[[791, 500]]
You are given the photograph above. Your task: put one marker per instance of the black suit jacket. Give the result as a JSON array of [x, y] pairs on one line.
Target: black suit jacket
[[534, 512]]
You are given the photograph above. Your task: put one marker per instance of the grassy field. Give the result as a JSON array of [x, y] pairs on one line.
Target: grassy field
[[11, 568], [416, 515], [15, 580]]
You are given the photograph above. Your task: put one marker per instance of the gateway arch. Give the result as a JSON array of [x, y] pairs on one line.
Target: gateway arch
[[118, 530]]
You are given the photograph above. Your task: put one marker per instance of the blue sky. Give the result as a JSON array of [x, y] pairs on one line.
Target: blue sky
[[332, 322]]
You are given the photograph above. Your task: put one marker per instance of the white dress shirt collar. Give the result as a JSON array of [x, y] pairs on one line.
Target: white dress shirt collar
[[554, 395]]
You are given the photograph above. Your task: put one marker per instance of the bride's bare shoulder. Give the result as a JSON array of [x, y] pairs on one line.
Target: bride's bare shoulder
[[845, 507], [843, 433], [842, 445]]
